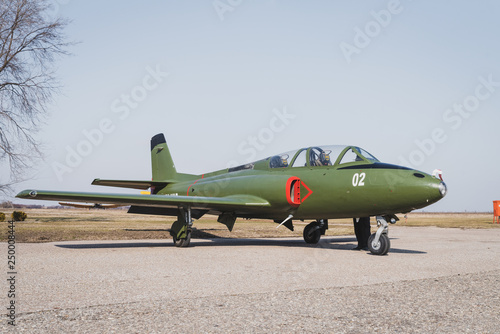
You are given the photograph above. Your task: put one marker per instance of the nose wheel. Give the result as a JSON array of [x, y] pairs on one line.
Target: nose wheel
[[378, 242], [381, 247]]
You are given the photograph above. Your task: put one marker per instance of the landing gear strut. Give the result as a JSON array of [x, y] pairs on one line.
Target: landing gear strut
[[314, 231], [378, 242], [181, 228]]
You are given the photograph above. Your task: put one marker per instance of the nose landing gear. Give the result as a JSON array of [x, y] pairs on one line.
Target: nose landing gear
[[380, 247], [378, 242]]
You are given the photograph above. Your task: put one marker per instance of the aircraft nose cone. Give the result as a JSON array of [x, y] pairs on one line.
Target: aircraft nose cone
[[443, 189], [426, 189], [436, 190]]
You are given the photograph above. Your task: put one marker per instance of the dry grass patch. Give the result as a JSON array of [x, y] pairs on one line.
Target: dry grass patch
[[456, 220]]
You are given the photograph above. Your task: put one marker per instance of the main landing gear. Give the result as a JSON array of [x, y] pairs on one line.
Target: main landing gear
[[314, 231], [181, 229], [378, 242]]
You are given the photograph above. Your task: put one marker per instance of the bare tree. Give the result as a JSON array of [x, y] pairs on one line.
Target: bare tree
[[30, 42]]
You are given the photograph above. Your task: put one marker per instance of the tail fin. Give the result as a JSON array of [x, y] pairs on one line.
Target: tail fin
[[161, 160]]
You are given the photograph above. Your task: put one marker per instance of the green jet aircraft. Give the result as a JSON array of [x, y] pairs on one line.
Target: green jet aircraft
[[318, 183]]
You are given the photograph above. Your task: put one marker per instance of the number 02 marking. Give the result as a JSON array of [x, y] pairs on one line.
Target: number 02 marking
[[358, 179]]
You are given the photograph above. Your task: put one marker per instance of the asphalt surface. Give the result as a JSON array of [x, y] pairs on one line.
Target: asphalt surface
[[432, 280]]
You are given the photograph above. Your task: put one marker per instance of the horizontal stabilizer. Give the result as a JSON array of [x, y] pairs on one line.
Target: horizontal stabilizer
[[131, 183], [91, 206]]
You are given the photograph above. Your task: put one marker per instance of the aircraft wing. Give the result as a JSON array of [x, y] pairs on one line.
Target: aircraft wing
[[228, 203]]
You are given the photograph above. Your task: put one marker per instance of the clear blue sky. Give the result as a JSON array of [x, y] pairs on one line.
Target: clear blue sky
[[413, 82]]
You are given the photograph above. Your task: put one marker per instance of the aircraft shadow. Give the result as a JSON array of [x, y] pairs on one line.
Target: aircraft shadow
[[405, 251], [196, 234], [146, 230], [333, 243], [351, 246], [116, 245], [327, 243]]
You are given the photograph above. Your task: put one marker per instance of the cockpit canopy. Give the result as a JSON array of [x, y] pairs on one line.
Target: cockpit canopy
[[317, 156]]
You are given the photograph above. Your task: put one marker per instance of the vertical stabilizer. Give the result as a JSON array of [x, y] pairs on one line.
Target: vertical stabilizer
[[161, 160]]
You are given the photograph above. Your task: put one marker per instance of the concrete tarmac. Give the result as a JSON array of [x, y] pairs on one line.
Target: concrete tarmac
[[432, 280]]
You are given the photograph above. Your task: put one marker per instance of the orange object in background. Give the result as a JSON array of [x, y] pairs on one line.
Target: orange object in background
[[496, 211]]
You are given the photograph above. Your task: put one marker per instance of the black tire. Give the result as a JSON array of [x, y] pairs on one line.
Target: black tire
[[382, 247], [312, 233], [183, 242]]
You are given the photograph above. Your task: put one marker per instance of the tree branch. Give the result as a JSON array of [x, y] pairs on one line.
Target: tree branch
[[30, 43]]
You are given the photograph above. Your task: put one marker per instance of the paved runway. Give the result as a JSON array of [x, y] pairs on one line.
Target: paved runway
[[433, 279]]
